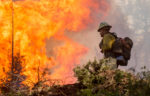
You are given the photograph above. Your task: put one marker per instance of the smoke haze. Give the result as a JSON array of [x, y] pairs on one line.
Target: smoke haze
[[133, 20], [129, 19]]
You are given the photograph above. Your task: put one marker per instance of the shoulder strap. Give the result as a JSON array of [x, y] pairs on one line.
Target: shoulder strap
[[114, 34]]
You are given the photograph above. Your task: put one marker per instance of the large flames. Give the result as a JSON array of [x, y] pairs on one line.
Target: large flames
[[34, 22]]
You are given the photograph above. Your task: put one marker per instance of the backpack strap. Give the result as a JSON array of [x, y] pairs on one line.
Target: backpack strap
[[114, 34]]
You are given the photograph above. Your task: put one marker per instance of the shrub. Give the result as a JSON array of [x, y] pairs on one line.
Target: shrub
[[104, 81]]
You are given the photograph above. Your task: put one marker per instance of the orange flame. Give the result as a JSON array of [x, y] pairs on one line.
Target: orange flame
[[34, 22]]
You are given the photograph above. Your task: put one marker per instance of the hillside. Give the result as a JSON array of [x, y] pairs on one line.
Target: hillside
[[93, 80]]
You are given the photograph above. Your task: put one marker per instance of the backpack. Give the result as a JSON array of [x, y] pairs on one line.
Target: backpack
[[120, 49], [127, 51]]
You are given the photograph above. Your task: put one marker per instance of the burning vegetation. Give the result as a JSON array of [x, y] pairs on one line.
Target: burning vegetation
[[25, 25], [26, 69]]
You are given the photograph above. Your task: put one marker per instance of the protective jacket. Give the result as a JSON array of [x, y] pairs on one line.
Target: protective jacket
[[106, 45]]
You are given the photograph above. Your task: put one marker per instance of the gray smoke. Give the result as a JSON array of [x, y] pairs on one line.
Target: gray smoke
[[129, 18], [134, 21]]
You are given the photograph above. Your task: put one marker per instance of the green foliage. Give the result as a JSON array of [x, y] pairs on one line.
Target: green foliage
[[103, 81], [86, 75]]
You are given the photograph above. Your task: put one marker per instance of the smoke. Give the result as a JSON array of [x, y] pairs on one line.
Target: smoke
[[133, 20], [88, 36], [77, 39], [129, 19]]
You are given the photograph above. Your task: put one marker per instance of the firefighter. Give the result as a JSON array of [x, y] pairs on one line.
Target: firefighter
[[112, 54]]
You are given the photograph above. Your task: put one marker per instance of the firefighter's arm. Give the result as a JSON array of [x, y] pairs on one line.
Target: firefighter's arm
[[108, 40]]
